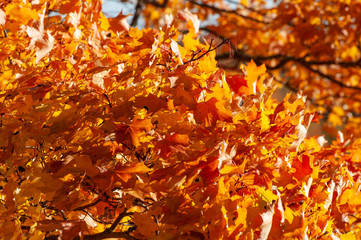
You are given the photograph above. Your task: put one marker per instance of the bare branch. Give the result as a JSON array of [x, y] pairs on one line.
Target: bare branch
[[117, 221], [331, 62], [106, 96], [157, 4], [331, 78], [296, 90], [210, 49], [138, 11], [218, 10], [286, 59], [98, 236], [107, 233], [104, 235]]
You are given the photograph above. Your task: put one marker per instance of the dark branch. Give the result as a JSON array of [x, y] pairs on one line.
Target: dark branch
[[104, 235], [157, 4], [137, 12], [98, 236], [343, 64], [106, 96], [107, 233], [117, 221], [296, 90], [283, 60], [218, 10], [210, 49], [240, 55], [330, 78]]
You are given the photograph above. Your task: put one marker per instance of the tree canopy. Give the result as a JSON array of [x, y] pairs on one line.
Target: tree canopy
[[177, 130]]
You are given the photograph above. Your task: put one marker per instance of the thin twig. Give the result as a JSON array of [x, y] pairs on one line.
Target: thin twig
[[210, 49], [106, 96]]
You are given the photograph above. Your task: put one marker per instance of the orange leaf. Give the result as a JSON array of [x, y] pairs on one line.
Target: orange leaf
[[254, 78], [130, 134], [211, 111], [119, 23], [68, 229], [134, 168], [302, 166]]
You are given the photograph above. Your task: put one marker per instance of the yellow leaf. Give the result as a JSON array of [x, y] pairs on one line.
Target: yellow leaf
[[231, 169], [265, 122], [289, 215], [351, 52], [334, 119], [22, 14], [220, 92], [348, 236], [190, 43], [254, 77], [267, 195]]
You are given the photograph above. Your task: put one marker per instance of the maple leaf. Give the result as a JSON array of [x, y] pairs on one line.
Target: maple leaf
[[254, 78], [119, 23], [236, 82], [150, 227], [126, 172], [151, 102], [211, 111], [302, 166], [133, 131], [173, 143], [20, 13]]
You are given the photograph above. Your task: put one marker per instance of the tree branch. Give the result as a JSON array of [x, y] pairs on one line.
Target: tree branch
[[157, 4], [137, 12], [218, 10], [296, 90], [330, 78], [107, 233], [117, 221], [104, 235], [285, 59], [210, 49], [98, 236]]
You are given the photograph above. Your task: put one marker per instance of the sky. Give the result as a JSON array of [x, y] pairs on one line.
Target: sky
[[113, 7]]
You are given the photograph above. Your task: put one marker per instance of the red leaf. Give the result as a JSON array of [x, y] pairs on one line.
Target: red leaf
[[302, 167], [235, 82], [68, 229]]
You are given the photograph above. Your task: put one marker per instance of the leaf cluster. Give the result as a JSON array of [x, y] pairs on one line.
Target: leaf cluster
[[109, 131]]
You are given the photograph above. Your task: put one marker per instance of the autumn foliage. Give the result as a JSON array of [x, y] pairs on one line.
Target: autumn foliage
[[110, 131]]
